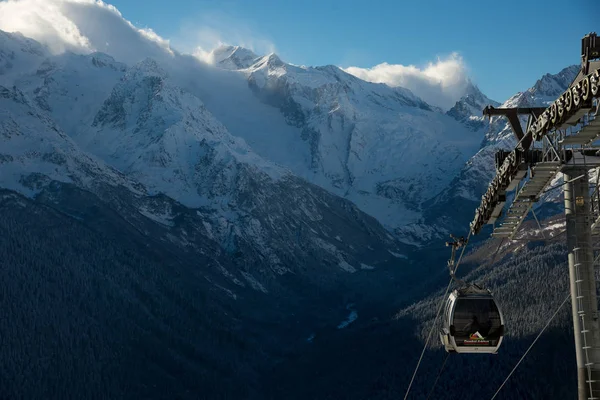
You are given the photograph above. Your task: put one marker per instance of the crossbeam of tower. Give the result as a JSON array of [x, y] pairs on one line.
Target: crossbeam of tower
[[576, 107], [512, 114]]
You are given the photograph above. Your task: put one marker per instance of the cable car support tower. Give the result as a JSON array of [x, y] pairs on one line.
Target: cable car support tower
[[559, 138]]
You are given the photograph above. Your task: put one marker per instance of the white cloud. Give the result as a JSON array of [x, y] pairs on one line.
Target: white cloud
[[82, 26], [203, 33], [441, 83], [203, 55], [43, 21]]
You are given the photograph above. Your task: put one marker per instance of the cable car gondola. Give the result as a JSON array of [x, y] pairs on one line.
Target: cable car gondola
[[473, 322]]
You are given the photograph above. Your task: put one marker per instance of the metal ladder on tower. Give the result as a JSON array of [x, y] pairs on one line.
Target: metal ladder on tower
[[584, 253], [582, 316]]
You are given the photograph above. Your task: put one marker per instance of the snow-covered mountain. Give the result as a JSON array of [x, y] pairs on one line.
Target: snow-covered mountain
[[381, 147], [34, 151], [99, 122], [164, 136], [468, 109], [183, 128], [233, 57], [19, 54]]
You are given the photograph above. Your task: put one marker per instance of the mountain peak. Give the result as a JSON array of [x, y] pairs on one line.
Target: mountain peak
[[19, 55], [473, 95], [102, 60], [273, 60], [16, 40], [146, 68], [545, 90], [554, 85], [469, 107], [233, 57]]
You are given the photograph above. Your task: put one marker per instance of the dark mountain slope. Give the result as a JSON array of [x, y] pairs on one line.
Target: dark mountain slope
[[376, 359], [86, 313]]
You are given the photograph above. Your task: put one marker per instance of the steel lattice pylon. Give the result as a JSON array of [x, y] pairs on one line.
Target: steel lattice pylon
[[559, 139]]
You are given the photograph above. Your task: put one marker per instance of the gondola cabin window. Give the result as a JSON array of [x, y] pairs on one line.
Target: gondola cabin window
[[476, 322]]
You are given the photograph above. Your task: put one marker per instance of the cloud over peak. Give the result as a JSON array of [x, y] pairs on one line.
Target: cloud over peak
[[213, 29], [441, 83], [81, 26], [85, 26]]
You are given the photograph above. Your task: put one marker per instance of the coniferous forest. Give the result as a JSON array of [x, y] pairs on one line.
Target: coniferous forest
[[91, 312]]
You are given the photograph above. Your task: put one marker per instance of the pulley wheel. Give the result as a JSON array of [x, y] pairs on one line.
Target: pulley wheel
[[553, 113], [568, 100], [585, 88], [576, 96], [561, 107], [594, 85]]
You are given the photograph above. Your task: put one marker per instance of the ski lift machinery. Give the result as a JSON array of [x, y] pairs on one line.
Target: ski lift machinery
[[473, 322]]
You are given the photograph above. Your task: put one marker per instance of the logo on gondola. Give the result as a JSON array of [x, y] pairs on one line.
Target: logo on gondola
[[476, 338]]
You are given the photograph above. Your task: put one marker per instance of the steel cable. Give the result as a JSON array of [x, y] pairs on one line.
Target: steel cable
[[538, 336], [441, 304]]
